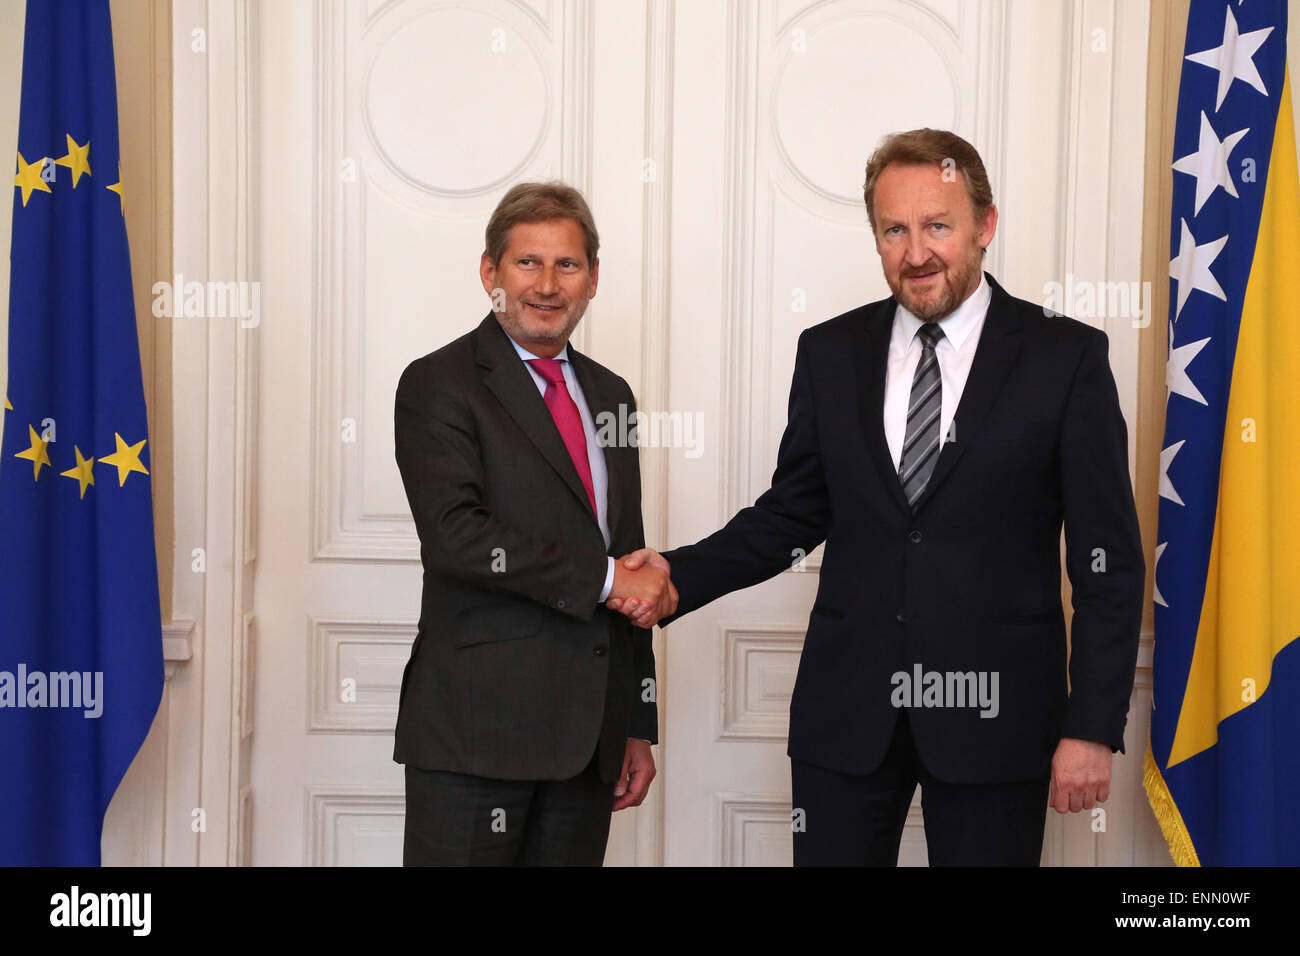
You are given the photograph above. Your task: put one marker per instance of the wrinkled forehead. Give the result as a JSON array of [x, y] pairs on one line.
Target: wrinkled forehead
[[549, 232], [548, 237], [919, 191]]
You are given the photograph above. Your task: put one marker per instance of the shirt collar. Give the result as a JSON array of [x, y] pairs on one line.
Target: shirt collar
[[526, 355], [956, 326]]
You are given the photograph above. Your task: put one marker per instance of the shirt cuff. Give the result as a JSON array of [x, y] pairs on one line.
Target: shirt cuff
[[609, 583]]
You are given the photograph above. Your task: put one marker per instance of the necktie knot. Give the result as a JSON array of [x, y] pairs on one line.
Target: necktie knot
[[549, 369], [930, 334]]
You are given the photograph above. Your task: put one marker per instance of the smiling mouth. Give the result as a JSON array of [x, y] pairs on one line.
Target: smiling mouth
[[545, 308]]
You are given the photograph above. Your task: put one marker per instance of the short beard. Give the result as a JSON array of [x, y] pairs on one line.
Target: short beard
[[946, 304], [520, 332], [937, 310]]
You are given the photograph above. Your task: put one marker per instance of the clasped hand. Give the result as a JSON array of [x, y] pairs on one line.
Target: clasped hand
[[642, 590]]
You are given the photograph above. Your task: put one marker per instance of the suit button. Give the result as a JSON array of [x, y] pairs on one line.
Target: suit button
[[899, 617], [915, 537], [600, 651], [560, 604]]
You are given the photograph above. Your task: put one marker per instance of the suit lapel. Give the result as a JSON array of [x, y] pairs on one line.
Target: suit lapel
[[515, 388], [871, 356], [998, 347]]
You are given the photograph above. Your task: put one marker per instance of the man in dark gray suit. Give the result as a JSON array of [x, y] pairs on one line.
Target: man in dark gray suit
[[527, 708]]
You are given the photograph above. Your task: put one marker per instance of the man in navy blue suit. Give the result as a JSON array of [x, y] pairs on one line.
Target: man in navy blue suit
[[936, 442]]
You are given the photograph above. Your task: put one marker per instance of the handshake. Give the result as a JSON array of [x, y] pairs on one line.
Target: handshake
[[642, 590]]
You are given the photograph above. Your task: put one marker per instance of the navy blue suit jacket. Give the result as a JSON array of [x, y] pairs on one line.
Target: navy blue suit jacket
[[969, 580]]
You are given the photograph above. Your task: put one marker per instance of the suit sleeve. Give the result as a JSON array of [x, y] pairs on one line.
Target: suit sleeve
[[1103, 553], [789, 519], [645, 707], [442, 471]]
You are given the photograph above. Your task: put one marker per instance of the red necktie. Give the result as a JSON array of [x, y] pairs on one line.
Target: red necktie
[[565, 412]]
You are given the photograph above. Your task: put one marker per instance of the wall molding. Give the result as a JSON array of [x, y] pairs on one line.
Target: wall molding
[[738, 816], [387, 642], [177, 648], [216, 194], [331, 808], [742, 648]]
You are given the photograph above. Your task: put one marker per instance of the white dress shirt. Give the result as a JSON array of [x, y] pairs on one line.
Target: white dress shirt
[[595, 454], [955, 352]]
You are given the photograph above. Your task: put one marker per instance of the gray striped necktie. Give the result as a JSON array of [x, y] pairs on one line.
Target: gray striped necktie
[[921, 443]]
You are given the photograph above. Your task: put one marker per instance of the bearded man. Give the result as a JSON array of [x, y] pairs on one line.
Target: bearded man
[[936, 442]]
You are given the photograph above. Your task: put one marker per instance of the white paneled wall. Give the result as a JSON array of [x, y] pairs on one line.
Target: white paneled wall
[[348, 154]]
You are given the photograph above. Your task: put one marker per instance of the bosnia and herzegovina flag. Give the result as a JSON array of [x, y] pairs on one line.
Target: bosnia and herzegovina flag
[[1223, 768], [81, 668]]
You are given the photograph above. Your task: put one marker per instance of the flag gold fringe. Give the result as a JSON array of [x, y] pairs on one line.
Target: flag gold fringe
[[1166, 813]]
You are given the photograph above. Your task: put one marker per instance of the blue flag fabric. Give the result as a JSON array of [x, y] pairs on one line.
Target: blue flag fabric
[[81, 669]]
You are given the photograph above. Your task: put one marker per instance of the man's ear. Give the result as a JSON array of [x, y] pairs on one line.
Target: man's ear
[[595, 277], [988, 227]]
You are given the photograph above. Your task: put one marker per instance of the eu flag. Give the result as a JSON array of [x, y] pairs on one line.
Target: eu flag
[[1223, 769], [81, 669]]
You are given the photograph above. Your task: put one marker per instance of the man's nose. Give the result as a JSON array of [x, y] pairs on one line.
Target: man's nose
[[546, 281], [917, 252]]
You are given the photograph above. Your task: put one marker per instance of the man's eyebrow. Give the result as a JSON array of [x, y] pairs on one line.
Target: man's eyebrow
[[928, 216], [574, 256]]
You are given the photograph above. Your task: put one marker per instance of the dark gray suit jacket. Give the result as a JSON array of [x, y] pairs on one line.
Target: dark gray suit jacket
[[516, 673]]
